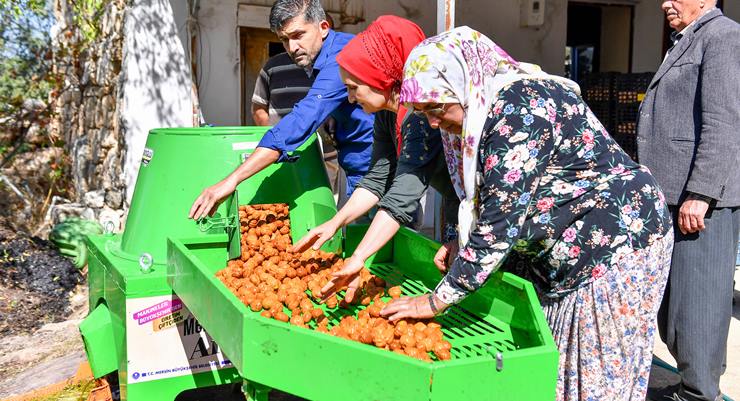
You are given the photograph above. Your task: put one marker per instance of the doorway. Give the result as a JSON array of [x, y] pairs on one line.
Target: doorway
[[256, 46], [599, 39]]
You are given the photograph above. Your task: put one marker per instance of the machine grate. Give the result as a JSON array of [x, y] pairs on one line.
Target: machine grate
[[471, 335]]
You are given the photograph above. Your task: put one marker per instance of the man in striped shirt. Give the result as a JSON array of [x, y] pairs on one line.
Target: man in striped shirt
[[280, 85]]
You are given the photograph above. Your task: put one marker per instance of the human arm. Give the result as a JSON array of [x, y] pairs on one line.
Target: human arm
[[445, 255], [381, 230], [383, 160], [358, 204], [261, 99], [420, 161], [369, 190], [260, 114], [326, 94], [416, 167], [510, 173], [691, 213]]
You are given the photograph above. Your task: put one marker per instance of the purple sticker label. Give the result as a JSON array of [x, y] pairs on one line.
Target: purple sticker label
[[158, 310]]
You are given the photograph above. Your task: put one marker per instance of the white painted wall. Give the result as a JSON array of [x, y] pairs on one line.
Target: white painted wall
[[219, 63], [499, 20], [219, 60], [647, 48], [615, 39], [422, 12], [155, 81]]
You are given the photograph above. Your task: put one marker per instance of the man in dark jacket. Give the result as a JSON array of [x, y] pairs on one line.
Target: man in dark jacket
[[689, 137]]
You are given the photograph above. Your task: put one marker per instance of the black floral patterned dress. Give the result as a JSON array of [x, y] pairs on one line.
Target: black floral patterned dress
[[556, 192], [561, 204]]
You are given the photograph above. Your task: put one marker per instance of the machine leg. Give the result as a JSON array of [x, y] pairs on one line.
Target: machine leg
[[255, 391]]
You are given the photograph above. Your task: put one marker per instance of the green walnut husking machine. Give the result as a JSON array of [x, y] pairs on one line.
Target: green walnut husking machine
[[163, 322]]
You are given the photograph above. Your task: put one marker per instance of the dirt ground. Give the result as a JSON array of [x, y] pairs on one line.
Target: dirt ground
[[42, 300], [35, 282], [46, 356]]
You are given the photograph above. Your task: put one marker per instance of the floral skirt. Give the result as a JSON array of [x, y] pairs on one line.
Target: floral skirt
[[604, 330]]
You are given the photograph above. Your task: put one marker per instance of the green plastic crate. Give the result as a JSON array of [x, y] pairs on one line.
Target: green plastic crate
[[502, 346]]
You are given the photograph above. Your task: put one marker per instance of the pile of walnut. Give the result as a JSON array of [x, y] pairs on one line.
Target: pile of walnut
[[272, 280]]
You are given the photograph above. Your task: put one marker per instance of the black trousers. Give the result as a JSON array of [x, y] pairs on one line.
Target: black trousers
[[694, 317]]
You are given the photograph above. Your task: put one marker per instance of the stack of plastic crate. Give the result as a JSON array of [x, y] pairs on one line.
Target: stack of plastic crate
[[598, 92], [629, 92]]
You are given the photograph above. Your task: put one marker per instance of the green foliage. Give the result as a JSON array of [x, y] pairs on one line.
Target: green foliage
[[26, 50], [87, 14], [25, 45]]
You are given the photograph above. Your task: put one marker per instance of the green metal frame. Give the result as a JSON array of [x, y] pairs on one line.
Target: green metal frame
[[178, 164], [502, 346], [113, 281]]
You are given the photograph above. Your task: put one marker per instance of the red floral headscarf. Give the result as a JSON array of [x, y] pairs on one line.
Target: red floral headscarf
[[376, 55]]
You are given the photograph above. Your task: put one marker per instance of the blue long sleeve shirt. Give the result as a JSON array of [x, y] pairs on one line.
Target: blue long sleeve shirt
[[327, 97]]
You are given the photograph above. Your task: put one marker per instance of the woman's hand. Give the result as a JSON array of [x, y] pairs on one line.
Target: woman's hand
[[348, 276], [413, 307], [317, 236], [208, 201], [446, 255]]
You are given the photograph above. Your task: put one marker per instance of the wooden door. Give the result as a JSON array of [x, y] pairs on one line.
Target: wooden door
[[256, 46]]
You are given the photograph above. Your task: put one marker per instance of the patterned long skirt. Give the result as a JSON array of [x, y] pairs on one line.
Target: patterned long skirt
[[604, 330]]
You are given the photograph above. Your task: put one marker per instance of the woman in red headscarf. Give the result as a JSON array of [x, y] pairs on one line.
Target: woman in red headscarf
[[407, 153]]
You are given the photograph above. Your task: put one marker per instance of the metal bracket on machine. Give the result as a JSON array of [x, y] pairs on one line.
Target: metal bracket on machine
[[229, 223], [498, 356], [211, 224]]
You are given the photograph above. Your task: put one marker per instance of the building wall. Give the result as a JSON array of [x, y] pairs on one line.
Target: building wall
[[732, 9], [218, 62], [155, 81], [647, 49], [647, 52], [544, 45], [615, 39]]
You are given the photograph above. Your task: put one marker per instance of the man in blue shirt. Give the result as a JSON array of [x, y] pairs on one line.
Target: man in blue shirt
[[302, 28]]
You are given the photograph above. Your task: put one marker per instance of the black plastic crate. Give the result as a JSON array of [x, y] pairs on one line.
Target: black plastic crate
[[598, 87], [626, 128], [628, 88], [628, 143], [626, 114]]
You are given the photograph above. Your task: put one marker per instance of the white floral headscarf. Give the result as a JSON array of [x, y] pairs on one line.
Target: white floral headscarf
[[464, 66]]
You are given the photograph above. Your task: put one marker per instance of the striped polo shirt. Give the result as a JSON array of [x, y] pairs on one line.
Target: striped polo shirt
[[280, 85]]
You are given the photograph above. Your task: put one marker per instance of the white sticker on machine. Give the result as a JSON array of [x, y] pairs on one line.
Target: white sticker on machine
[[165, 340], [147, 156], [244, 145]]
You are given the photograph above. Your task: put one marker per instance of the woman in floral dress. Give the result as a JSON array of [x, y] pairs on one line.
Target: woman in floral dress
[[547, 193]]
